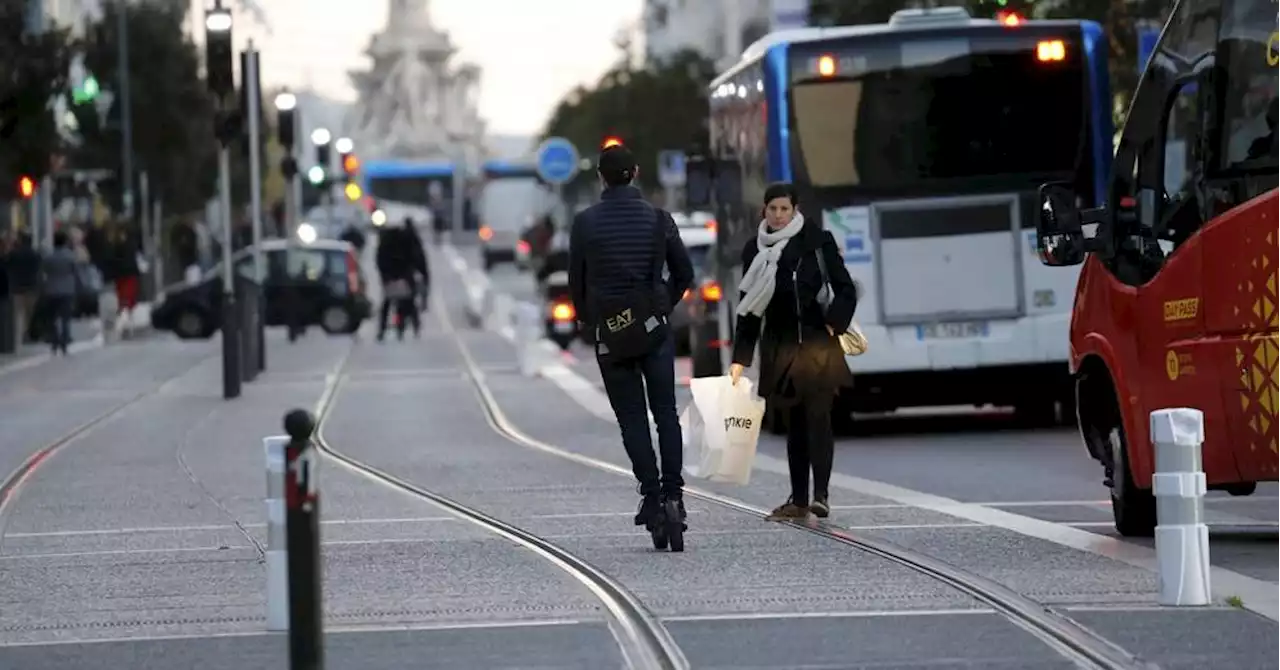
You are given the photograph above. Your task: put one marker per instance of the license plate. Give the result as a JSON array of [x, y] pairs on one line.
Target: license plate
[[563, 327], [952, 330]]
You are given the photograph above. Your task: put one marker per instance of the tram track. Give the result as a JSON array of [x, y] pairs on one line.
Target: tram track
[[15, 481], [1074, 642], [645, 644]]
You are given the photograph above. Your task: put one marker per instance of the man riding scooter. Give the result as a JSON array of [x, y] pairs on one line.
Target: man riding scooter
[[553, 283]]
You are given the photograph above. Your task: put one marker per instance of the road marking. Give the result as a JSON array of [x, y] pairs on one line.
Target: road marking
[[766, 616], [328, 630], [1258, 596], [126, 552]]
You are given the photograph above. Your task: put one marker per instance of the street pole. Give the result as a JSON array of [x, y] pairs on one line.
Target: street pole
[[126, 111], [144, 215], [296, 189], [255, 195], [157, 243], [459, 196], [230, 316]]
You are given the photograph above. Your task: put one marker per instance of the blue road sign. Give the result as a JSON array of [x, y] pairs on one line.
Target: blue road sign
[[671, 168], [557, 160]]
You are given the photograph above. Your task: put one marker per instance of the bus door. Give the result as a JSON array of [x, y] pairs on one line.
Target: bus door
[[1179, 360]]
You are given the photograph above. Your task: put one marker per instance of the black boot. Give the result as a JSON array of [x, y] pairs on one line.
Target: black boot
[[649, 510]]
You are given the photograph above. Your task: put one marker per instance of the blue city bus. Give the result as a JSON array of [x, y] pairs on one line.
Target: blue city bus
[[921, 144], [407, 182]]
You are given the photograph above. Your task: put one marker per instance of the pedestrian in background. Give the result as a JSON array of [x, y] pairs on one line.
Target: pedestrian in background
[[789, 263], [422, 287], [60, 286], [23, 265], [396, 266], [123, 269], [617, 250]]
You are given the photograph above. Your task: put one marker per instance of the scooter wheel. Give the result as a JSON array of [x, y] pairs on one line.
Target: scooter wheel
[[674, 524]]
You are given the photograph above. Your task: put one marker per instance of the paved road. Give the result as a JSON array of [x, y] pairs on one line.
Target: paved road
[[139, 545], [987, 461], [979, 462]]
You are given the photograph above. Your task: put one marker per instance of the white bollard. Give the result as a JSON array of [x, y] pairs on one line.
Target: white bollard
[[499, 317], [1182, 538], [529, 325], [277, 546], [478, 296]]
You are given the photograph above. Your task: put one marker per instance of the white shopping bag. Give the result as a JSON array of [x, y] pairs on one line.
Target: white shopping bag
[[721, 428]]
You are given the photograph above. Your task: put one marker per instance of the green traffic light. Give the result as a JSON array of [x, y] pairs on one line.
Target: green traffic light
[[315, 175], [87, 91]]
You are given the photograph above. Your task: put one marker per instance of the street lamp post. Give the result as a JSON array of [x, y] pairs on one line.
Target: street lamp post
[[218, 64]]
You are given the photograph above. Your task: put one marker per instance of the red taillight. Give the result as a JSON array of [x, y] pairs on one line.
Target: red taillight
[[486, 233], [711, 292], [522, 246], [563, 311], [1009, 18], [712, 225], [353, 273]]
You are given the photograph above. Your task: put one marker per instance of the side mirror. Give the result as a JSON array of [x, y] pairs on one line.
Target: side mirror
[[1060, 239]]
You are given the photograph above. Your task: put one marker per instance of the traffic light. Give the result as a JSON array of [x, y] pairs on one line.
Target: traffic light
[[219, 58], [322, 156], [610, 141], [350, 164], [352, 191], [26, 187]]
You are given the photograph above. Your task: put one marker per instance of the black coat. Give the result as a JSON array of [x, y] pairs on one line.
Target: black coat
[[799, 359]]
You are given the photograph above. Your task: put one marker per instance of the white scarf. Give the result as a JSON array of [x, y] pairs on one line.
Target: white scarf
[[761, 278]]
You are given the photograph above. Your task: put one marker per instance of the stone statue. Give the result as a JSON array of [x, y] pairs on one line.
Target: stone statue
[[413, 103]]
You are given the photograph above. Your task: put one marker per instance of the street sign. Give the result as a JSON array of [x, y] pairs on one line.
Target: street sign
[[557, 160], [671, 168]]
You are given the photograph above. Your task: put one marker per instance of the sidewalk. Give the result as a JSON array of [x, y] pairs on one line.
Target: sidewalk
[[86, 335]]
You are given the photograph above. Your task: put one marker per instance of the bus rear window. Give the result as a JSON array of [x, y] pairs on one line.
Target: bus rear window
[[905, 116]]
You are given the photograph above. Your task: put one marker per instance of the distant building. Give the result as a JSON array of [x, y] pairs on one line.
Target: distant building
[[717, 29]]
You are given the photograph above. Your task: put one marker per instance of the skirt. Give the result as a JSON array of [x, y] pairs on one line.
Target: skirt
[[127, 292]]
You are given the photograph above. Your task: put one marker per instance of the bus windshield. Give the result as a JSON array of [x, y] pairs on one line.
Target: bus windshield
[[918, 115], [420, 190]]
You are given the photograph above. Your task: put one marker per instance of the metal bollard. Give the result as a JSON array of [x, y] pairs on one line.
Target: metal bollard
[[277, 539], [306, 625], [1182, 538]]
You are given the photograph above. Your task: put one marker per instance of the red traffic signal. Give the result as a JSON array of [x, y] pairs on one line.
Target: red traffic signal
[[611, 142], [26, 187], [350, 164]]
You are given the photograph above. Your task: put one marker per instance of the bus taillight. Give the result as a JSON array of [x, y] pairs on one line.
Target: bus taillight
[[827, 66], [1051, 50]]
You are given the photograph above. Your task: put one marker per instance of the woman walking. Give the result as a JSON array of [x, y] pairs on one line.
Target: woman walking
[[796, 298]]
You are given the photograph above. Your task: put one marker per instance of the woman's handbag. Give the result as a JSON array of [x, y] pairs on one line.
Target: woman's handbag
[[852, 341]]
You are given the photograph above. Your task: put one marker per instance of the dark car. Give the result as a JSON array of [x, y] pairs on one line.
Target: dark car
[[325, 275]]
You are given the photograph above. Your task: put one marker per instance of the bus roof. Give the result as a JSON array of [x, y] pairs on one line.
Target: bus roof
[[906, 21], [392, 169]]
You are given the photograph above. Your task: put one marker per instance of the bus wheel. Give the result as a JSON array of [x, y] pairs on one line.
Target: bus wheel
[[1134, 509]]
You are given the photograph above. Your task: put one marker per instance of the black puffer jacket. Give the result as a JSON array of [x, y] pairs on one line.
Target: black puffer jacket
[[799, 359]]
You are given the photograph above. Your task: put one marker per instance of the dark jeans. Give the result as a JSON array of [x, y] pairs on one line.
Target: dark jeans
[[61, 309], [811, 443], [627, 383]]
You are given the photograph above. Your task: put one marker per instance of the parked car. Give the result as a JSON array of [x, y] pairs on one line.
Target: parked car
[[325, 275]]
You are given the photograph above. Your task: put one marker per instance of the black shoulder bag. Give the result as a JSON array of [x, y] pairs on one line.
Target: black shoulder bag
[[625, 323]]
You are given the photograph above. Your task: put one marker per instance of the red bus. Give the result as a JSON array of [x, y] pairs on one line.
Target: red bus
[[1176, 304]]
